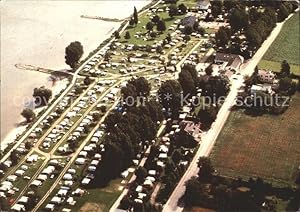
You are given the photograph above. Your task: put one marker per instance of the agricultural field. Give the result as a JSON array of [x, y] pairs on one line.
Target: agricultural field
[[285, 47], [266, 146]]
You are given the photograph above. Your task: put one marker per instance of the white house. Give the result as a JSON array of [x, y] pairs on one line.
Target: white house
[[266, 76]]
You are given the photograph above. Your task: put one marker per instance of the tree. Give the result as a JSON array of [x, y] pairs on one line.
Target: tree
[[42, 96], [173, 11], [206, 169], [117, 34], [187, 83], [104, 172], [283, 13], [182, 8], [169, 95], [285, 68], [28, 114], [156, 19], [169, 38], [222, 37], [126, 203], [207, 116], [254, 15], [187, 38], [196, 26], [153, 34], [154, 110], [253, 37], [135, 16], [271, 13], [149, 26], [285, 84], [238, 19], [188, 29], [4, 206], [161, 26], [159, 49], [201, 31], [177, 156], [140, 173], [129, 94], [103, 108], [215, 11], [131, 22], [96, 116], [142, 86], [28, 145], [209, 70], [127, 35], [14, 157], [73, 54], [87, 80], [195, 193], [184, 139]]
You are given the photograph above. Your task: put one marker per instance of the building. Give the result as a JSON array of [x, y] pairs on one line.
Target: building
[[191, 128], [261, 88], [203, 5], [233, 61], [266, 76]]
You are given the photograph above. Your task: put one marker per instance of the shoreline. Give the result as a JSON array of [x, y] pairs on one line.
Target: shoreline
[[11, 136]]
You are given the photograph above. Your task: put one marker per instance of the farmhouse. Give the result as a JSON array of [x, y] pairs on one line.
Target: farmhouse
[[261, 88], [265, 76], [232, 61], [203, 5], [191, 128]]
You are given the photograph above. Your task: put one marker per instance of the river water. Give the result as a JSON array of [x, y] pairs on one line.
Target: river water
[[36, 33]]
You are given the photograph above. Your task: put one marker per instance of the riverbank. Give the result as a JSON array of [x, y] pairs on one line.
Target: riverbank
[[19, 129]]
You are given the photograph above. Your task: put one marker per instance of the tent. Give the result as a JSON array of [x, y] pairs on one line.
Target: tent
[[18, 207], [85, 181], [67, 177]]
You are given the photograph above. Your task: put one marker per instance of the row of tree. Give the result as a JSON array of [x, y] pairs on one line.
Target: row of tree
[[129, 133], [219, 193]]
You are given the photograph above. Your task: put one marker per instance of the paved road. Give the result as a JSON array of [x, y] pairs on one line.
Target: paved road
[[209, 139]]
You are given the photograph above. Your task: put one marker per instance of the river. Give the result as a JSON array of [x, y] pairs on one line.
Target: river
[[36, 33]]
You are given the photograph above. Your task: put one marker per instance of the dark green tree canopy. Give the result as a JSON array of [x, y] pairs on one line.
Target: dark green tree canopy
[[73, 54], [28, 114]]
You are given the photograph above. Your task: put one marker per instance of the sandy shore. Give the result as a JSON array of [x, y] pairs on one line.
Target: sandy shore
[[12, 135], [36, 33]]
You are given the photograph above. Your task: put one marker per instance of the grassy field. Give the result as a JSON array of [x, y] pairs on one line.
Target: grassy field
[[266, 146], [285, 47], [100, 199], [276, 66], [144, 19]]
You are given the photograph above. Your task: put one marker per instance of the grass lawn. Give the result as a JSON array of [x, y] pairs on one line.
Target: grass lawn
[[285, 47], [266, 146], [144, 19], [276, 66], [101, 198]]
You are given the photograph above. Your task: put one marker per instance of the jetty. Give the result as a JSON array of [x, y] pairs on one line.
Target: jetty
[[103, 18], [58, 73]]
